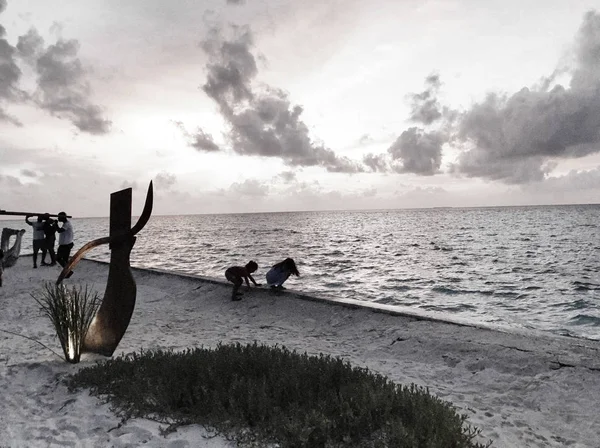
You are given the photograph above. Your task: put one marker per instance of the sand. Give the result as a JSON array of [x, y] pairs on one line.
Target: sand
[[522, 389]]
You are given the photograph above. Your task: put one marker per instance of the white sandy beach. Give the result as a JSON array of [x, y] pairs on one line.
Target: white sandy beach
[[522, 390]]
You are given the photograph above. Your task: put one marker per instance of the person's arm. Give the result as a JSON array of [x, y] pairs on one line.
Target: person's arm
[[27, 219], [61, 229], [251, 278]]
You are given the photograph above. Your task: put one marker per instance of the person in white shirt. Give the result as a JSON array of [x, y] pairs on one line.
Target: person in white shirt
[[39, 238], [65, 240]]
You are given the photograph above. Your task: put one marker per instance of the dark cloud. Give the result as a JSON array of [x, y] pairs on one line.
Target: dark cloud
[[511, 137], [200, 140], [288, 176], [417, 151], [377, 162], [203, 141], [235, 2], [262, 122], [425, 107], [30, 45], [10, 74], [63, 88], [29, 173]]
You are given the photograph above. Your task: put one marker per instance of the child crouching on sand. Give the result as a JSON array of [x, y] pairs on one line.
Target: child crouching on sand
[[280, 272], [235, 274]]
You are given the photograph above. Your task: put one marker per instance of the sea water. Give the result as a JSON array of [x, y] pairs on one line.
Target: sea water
[[517, 267]]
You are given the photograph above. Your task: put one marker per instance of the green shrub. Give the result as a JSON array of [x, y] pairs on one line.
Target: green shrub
[[71, 312], [256, 395]]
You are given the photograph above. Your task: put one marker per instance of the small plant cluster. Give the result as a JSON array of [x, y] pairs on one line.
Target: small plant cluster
[[71, 311], [259, 395]]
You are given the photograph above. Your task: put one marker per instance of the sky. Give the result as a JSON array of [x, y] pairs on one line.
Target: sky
[[234, 106]]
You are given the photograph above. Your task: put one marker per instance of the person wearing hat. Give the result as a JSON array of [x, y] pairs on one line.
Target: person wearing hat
[[65, 240]]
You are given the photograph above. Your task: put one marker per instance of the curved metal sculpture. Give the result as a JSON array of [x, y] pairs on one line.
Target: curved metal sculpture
[[11, 255], [113, 316]]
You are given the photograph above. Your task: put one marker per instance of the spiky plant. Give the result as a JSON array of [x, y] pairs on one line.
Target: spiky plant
[[71, 311]]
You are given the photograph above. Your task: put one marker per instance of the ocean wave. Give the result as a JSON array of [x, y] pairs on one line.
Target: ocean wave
[[586, 319]]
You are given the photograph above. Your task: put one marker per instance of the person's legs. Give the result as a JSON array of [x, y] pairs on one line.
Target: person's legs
[[68, 251], [44, 251], [237, 282], [62, 254], [37, 245], [50, 249]]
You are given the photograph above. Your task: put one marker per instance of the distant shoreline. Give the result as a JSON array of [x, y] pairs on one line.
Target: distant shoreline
[[373, 210]]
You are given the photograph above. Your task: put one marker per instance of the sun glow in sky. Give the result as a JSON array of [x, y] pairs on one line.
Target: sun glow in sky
[[242, 106]]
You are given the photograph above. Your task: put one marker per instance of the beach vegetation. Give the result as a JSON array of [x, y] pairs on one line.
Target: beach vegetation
[[259, 395], [71, 311]]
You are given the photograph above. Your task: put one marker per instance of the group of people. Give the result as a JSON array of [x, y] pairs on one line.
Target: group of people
[[44, 239], [276, 276]]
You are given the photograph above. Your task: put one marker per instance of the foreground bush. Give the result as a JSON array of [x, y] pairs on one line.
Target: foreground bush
[[71, 311], [257, 395]]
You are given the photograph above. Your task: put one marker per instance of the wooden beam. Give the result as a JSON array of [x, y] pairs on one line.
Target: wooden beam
[[7, 213]]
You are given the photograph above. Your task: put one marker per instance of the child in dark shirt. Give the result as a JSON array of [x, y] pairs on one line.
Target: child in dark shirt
[[237, 274]]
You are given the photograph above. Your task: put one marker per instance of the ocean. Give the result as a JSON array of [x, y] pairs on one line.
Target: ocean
[[532, 267]]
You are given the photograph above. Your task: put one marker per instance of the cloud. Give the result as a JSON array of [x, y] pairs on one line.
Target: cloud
[[235, 2], [9, 181], [200, 140], [63, 88], [425, 107], [10, 74], [29, 173], [512, 137], [30, 44], [417, 151], [250, 187], [377, 162], [164, 181], [287, 176], [262, 122], [129, 184]]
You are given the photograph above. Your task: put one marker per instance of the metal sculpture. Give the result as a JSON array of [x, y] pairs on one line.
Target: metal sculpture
[[113, 316], [11, 255]]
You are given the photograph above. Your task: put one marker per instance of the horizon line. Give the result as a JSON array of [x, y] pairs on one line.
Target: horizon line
[[351, 210]]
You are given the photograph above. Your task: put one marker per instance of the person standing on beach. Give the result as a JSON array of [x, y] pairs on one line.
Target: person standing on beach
[[280, 272], [65, 240], [38, 237], [236, 275], [50, 229]]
